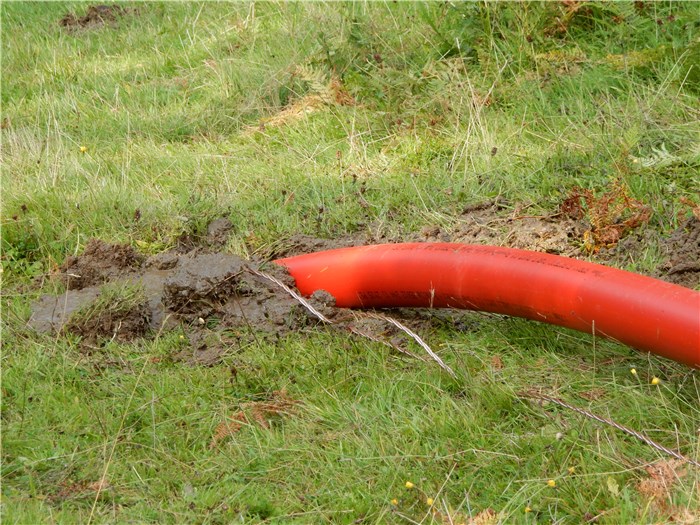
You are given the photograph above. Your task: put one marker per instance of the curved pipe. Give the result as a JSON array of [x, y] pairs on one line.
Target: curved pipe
[[645, 313]]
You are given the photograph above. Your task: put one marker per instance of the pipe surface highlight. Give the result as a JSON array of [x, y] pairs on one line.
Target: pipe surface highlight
[[639, 311]]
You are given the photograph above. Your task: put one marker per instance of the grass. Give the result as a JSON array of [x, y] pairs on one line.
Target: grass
[[143, 129]]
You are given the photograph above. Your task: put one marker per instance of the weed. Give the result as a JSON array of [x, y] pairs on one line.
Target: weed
[[611, 215]]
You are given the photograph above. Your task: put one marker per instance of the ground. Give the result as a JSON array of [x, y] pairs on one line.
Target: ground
[[158, 156]]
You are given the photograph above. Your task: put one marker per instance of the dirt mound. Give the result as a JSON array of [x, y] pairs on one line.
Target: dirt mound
[[682, 252], [99, 263], [221, 301], [96, 16], [122, 325], [218, 300]]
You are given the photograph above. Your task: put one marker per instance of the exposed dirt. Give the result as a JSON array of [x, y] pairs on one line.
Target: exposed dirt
[[220, 303], [300, 244], [96, 16], [682, 252], [218, 232], [194, 290], [215, 298], [99, 263], [484, 223], [121, 325], [489, 223]]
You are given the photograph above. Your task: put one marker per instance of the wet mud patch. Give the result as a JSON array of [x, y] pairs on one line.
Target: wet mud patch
[[95, 16], [192, 290], [219, 301], [100, 263], [110, 317]]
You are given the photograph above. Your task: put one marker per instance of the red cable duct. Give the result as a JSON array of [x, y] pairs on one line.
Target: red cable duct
[[638, 311]]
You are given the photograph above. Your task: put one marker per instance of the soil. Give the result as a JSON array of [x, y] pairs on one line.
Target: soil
[[219, 303], [99, 263], [483, 223], [191, 290], [123, 326], [682, 252], [218, 232], [488, 224], [96, 16]]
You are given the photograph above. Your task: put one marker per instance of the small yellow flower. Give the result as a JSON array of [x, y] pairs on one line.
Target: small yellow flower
[[571, 470], [182, 336], [83, 149], [409, 485], [430, 501], [551, 483], [633, 371], [528, 509], [655, 380], [394, 502]]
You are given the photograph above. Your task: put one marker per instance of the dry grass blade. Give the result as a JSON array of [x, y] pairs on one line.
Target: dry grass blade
[[418, 340], [306, 304], [610, 422], [279, 404], [360, 315]]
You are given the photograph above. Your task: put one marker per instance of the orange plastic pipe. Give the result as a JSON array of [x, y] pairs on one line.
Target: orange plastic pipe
[[645, 313]]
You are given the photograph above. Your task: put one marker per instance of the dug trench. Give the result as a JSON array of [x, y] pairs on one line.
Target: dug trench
[[219, 300]]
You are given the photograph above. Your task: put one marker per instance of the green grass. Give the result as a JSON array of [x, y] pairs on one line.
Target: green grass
[[167, 103]]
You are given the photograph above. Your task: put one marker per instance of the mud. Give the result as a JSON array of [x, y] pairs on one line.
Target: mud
[[220, 304], [483, 223], [215, 299], [300, 244], [193, 290], [96, 16], [682, 252], [99, 263], [218, 232], [119, 325]]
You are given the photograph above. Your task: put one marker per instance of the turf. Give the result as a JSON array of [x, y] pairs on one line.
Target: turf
[[331, 119]]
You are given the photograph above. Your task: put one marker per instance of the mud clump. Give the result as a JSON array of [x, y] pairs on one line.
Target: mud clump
[[100, 262], [96, 16], [201, 292], [122, 325], [218, 232], [682, 252], [202, 283]]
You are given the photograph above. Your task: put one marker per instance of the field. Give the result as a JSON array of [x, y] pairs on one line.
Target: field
[[238, 132]]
